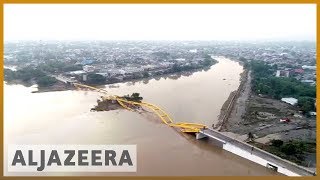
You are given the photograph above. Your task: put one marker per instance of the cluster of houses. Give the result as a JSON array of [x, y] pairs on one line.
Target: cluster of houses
[[305, 74]]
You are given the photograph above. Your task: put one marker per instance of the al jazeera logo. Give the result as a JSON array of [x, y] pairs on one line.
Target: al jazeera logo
[[72, 158]]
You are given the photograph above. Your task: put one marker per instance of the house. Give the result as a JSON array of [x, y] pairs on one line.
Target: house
[[298, 71], [282, 73]]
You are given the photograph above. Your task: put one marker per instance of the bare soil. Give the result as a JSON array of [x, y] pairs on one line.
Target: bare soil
[[261, 116]]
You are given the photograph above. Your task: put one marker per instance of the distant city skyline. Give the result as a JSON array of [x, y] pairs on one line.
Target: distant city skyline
[[160, 22]]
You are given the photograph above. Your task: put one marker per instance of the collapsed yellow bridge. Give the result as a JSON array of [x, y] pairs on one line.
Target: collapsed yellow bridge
[[165, 118]]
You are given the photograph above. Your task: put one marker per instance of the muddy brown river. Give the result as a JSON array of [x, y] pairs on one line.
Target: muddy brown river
[[64, 118]]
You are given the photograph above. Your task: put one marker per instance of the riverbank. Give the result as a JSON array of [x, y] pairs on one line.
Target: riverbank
[[58, 86], [62, 86], [245, 112], [145, 80], [235, 100]]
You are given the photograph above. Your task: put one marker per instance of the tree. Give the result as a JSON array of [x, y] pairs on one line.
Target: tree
[[264, 82], [145, 74], [306, 104], [243, 59], [46, 81], [134, 97], [276, 142], [289, 149], [176, 67], [25, 74], [96, 79], [207, 61], [9, 75]]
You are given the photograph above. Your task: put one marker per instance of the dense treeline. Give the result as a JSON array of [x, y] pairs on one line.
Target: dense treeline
[[292, 150], [264, 82], [28, 74], [282, 87], [24, 74], [95, 79], [206, 62], [39, 74], [45, 81]]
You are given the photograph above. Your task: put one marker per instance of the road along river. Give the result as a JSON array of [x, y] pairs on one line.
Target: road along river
[[64, 118]]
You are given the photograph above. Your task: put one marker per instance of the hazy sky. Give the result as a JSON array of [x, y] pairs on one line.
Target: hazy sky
[[159, 22]]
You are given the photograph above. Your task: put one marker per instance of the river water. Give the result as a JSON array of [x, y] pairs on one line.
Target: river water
[[64, 118]]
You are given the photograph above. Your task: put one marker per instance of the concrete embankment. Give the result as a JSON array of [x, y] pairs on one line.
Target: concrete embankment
[[231, 101], [255, 154]]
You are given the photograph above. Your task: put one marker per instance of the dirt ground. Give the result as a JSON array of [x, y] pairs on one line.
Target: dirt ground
[[261, 116]]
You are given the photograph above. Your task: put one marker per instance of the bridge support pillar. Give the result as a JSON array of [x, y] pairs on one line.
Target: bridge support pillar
[[200, 136]]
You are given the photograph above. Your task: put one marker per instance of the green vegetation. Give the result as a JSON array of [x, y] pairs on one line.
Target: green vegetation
[[38, 74], [95, 79], [265, 83], [28, 74], [282, 87], [146, 74], [177, 68], [45, 81], [25, 74], [276, 142], [134, 97], [291, 150], [207, 62], [306, 104]]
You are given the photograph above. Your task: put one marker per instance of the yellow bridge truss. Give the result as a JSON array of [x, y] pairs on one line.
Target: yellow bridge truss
[[165, 118]]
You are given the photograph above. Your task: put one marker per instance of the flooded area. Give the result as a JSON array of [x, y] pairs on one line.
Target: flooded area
[[64, 117]]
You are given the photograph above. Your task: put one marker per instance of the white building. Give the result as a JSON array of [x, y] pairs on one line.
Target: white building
[[76, 72], [290, 100], [193, 50], [309, 67], [88, 68]]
